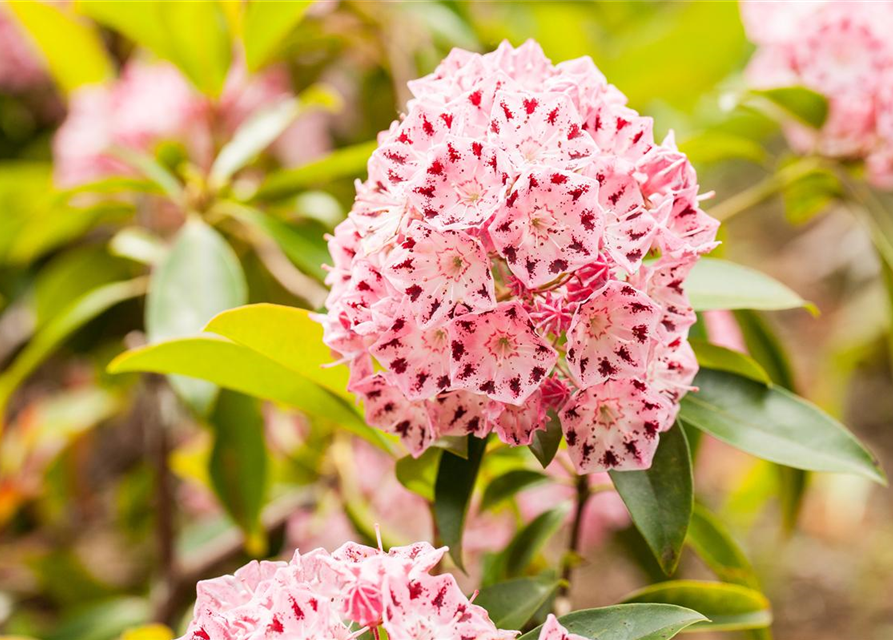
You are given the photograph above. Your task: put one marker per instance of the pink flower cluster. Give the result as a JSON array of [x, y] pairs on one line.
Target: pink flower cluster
[[152, 102], [842, 50], [520, 246], [21, 67], [341, 595]]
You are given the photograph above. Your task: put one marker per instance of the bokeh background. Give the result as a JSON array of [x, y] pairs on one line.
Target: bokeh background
[[77, 508]]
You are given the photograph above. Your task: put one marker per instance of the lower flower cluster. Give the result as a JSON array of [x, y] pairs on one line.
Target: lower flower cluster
[[341, 595]]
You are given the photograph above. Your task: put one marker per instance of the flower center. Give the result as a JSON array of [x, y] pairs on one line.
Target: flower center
[[469, 191], [502, 345]]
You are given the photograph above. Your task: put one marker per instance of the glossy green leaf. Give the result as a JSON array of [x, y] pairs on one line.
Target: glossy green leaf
[[511, 604], [660, 499], [73, 50], [238, 463], [452, 494], [514, 560], [348, 162], [508, 484], [546, 441], [286, 335], [728, 607], [626, 622], [719, 284], [713, 356], [55, 331], [236, 367], [419, 474], [199, 277], [806, 105], [774, 424], [265, 25], [714, 146], [719, 551]]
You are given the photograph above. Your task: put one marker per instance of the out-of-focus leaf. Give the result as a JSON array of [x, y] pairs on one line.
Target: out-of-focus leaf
[[69, 320], [198, 278], [452, 494], [806, 105], [764, 347], [286, 335], [508, 484], [149, 632], [236, 367], [660, 499], [809, 195], [264, 27], [719, 284], [238, 464], [72, 49], [715, 546], [626, 622], [774, 424], [192, 35], [154, 171], [111, 184], [342, 163], [295, 242], [715, 146], [103, 621], [264, 127], [713, 356], [729, 607], [139, 245], [546, 441], [527, 543], [511, 604], [419, 474]]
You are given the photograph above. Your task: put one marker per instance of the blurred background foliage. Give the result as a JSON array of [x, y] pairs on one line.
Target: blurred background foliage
[[87, 483]]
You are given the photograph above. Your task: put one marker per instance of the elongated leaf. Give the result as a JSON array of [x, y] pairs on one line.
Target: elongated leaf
[[546, 442], [286, 335], [719, 284], [530, 540], [716, 547], [626, 622], [714, 146], [238, 463], [452, 494], [774, 424], [419, 474], [198, 278], [508, 484], [804, 104], [511, 604], [72, 49], [713, 356], [235, 367], [728, 607], [660, 499], [266, 25], [343, 163], [55, 331]]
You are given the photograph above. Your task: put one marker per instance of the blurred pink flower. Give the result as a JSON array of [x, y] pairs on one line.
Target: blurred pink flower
[[21, 67]]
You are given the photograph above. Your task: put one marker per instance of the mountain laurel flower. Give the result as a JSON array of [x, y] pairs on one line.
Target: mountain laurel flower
[[519, 248], [843, 51]]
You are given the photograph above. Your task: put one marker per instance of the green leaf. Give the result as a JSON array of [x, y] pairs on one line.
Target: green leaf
[[626, 622], [719, 551], [419, 474], [235, 367], [73, 50], [512, 561], [718, 284], [198, 278], [263, 128], [774, 424], [713, 356], [286, 335], [104, 620], [729, 607], [810, 194], [60, 327], [295, 242], [266, 24], [764, 347], [192, 35], [715, 146], [452, 495], [508, 484], [804, 104], [511, 604], [546, 442], [660, 499], [343, 163], [238, 463], [139, 245]]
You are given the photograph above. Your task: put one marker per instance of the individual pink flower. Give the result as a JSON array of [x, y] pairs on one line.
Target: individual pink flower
[[523, 211]]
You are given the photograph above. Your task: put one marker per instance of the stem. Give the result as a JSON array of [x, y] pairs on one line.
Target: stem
[[573, 546]]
